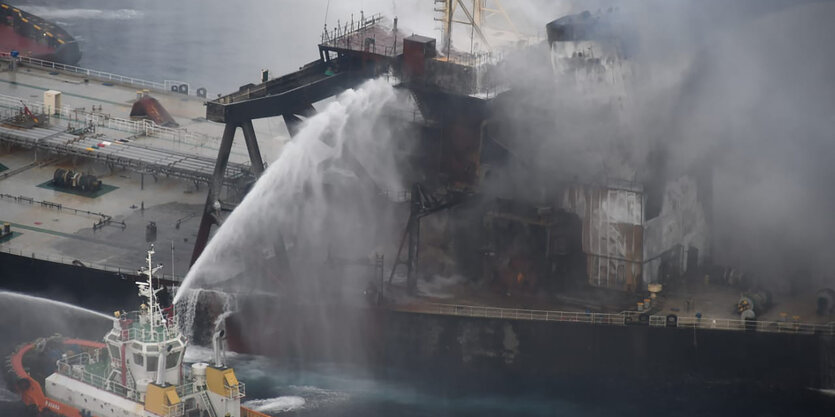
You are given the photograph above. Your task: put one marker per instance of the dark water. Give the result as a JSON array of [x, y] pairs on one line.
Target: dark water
[[331, 390]]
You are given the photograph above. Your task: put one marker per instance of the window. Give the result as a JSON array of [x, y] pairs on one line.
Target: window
[[137, 359], [172, 359], [152, 363], [114, 352]]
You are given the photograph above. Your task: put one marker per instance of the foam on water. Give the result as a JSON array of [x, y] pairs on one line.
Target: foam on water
[[197, 353], [276, 405], [6, 395], [289, 204]]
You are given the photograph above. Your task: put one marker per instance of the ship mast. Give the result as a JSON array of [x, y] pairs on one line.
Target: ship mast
[[147, 290]]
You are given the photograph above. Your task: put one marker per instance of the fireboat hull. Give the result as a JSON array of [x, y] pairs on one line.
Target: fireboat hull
[[31, 362]]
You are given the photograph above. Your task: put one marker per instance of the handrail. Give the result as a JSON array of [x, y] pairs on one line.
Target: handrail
[[349, 28], [103, 75], [143, 127], [619, 319], [236, 391], [75, 367], [763, 326]]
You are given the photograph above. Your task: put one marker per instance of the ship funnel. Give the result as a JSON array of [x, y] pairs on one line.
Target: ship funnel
[[216, 341], [161, 365]]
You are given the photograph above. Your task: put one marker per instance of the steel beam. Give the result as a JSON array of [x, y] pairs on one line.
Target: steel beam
[[210, 212], [282, 103], [252, 148]]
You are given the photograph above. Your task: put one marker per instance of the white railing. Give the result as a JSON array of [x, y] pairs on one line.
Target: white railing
[[620, 319], [139, 127], [146, 333], [102, 75], [75, 367], [235, 392], [350, 27], [174, 410], [789, 326]]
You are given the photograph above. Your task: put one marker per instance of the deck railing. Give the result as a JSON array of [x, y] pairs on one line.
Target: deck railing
[[789, 326], [620, 319], [75, 367], [165, 86], [87, 118]]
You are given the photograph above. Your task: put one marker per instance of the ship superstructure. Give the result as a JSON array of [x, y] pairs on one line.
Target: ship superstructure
[[137, 371]]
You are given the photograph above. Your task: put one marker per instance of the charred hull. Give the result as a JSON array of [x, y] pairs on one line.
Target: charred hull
[[471, 348]]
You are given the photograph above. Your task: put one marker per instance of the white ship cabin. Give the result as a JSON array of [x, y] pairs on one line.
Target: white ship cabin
[[140, 371]]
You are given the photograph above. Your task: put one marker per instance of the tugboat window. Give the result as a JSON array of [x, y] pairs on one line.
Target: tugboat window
[[137, 359], [172, 360], [152, 363]]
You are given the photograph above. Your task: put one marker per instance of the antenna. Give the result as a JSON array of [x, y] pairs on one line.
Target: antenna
[[146, 289]]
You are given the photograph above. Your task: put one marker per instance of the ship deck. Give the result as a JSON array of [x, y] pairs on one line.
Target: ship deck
[[58, 225], [714, 302]]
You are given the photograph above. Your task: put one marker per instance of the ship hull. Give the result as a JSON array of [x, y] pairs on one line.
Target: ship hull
[[476, 348], [461, 352], [29, 364], [32, 36]]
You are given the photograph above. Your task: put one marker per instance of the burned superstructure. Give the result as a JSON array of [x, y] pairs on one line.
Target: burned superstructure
[[520, 199], [483, 203]]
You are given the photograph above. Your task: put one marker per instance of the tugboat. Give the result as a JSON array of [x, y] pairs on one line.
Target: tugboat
[[136, 371]]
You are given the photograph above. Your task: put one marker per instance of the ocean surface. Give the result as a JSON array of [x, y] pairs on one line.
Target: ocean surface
[[220, 45]]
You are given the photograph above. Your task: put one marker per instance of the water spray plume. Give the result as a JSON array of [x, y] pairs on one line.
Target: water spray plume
[[8, 297], [299, 204]]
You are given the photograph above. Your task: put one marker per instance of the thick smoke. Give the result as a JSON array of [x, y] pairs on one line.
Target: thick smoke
[[741, 92]]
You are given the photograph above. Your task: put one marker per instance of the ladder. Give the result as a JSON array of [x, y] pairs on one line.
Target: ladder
[[207, 403]]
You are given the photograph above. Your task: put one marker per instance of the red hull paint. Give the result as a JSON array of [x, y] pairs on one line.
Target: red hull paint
[[12, 41], [35, 37], [31, 392]]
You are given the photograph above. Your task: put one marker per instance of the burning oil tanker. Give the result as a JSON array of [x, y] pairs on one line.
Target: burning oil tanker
[[564, 277]]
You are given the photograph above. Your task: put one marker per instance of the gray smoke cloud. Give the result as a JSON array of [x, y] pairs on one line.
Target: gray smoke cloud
[[740, 91]]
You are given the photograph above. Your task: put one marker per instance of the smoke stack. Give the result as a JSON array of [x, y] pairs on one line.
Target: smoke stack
[[161, 365], [216, 341]]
